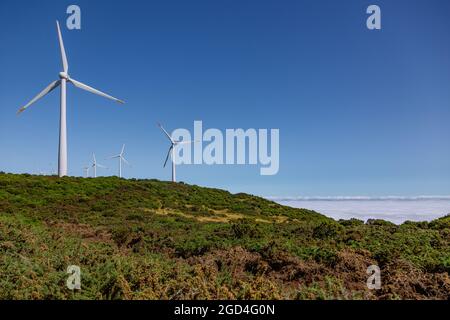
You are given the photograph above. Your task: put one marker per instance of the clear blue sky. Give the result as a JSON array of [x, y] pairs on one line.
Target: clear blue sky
[[360, 112]]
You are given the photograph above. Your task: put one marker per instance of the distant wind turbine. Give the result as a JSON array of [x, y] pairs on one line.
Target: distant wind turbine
[[63, 79], [171, 152], [86, 171], [95, 165], [121, 158]]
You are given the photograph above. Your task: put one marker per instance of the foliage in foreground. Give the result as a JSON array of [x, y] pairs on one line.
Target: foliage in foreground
[[146, 239]]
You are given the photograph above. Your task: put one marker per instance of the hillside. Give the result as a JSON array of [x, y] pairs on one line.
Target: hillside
[[146, 239]]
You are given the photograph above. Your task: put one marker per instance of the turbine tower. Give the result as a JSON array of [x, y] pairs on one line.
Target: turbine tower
[[171, 152], [121, 158], [63, 79], [95, 165]]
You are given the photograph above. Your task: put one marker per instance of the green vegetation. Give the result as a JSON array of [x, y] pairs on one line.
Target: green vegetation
[[146, 239]]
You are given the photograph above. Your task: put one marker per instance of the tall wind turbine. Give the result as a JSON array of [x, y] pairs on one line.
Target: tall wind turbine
[[171, 152], [95, 165], [121, 158], [63, 79]]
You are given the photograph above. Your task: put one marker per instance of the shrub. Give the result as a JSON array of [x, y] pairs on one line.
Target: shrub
[[441, 223], [351, 223], [193, 247], [245, 228], [327, 229]]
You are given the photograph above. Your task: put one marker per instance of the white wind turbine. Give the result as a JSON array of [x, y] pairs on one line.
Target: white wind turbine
[[121, 158], [95, 165], [86, 171], [63, 79], [171, 153]]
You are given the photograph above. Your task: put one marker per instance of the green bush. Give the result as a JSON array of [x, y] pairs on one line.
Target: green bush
[[245, 228], [327, 230]]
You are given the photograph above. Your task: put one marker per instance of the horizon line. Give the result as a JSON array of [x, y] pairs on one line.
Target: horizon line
[[358, 198]]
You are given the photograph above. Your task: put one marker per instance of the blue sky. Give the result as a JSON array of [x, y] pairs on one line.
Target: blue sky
[[360, 112]]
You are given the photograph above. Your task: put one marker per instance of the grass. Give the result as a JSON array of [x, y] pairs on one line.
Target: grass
[[146, 239]]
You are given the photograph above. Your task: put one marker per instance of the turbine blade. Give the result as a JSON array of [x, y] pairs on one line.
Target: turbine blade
[[125, 160], [114, 157], [50, 88], [167, 134], [123, 149], [101, 166], [168, 155], [63, 51], [94, 91]]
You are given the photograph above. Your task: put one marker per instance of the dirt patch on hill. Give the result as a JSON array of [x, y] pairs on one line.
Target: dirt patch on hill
[[294, 278], [402, 279], [84, 231]]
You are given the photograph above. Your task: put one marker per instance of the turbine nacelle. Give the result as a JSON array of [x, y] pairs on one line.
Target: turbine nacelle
[[64, 75]]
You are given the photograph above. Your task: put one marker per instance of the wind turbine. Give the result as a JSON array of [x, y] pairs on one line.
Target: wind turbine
[[171, 152], [95, 165], [86, 172], [121, 158], [63, 79]]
